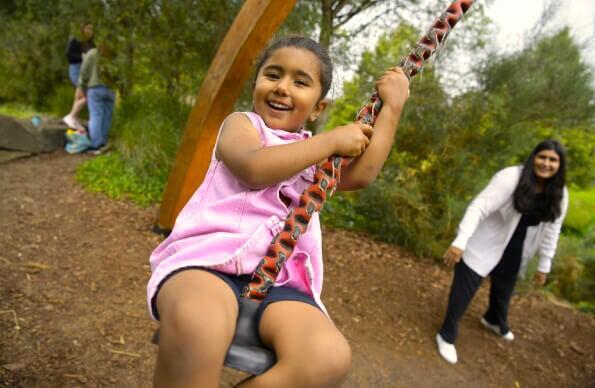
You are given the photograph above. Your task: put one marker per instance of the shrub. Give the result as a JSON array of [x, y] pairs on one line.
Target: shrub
[[146, 132], [573, 273], [111, 175], [581, 211], [60, 102]]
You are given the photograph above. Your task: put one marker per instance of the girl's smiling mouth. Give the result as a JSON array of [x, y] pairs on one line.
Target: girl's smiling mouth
[[278, 106]]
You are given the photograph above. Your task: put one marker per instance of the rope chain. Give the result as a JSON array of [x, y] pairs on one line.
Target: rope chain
[[328, 175]]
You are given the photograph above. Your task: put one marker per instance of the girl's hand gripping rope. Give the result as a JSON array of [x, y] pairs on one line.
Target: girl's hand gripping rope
[[393, 89], [350, 140]]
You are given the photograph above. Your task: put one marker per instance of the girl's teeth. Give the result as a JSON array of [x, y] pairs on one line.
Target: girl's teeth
[[278, 106]]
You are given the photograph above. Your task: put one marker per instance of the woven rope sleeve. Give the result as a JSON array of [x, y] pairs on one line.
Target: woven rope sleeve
[[328, 175]]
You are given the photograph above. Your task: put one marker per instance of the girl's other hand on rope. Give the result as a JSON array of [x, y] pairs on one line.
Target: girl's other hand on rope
[[452, 255], [393, 89], [350, 140]]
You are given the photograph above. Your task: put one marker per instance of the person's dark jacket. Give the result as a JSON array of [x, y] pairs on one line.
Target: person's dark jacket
[[75, 50]]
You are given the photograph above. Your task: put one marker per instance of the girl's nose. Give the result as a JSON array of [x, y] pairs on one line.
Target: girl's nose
[[281, 86]]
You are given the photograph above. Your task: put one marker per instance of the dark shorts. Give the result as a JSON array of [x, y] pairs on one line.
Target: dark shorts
[[237, 284]]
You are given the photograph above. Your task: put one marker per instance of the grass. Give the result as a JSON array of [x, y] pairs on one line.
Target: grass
[[111, 175], [581, 211], [19, 111]]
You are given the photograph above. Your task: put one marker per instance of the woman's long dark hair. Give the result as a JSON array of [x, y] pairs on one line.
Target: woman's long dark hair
[[525, 200]]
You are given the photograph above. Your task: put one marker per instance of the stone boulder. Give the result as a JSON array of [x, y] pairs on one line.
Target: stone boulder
[[22, 135]]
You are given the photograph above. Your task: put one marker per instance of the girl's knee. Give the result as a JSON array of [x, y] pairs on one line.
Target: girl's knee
[[186, 327], [328, 362], [192, 344], [189, 314]]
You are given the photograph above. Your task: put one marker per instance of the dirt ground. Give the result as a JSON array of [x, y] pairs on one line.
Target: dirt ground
[[73, 270]]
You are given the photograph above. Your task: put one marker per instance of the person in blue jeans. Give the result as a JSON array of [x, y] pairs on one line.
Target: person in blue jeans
[[100, 98]]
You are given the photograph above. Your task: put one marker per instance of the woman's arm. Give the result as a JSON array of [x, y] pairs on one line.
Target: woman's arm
[[240, 148], [393, 89], [89, 61], [549, 240], [492, 197]]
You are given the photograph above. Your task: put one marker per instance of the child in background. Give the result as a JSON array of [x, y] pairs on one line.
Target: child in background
[[74, 52], [261, 163]]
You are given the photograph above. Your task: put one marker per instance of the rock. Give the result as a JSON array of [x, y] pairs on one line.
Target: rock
[[22, 135]]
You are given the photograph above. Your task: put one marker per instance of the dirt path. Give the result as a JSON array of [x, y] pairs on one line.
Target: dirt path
[[73, 269]]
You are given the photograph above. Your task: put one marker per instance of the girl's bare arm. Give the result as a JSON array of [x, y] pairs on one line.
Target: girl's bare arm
[[240, 148], [393, 88]]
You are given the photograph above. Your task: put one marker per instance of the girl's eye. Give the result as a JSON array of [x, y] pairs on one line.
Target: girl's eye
[[301, 82], [272, 75]]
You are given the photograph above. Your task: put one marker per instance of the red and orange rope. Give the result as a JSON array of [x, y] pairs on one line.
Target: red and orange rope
[[328, 175]]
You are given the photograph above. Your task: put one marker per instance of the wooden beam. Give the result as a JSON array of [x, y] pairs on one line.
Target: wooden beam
[[251, 30]]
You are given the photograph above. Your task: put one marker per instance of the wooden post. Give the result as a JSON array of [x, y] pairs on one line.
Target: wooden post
[[252, 28]]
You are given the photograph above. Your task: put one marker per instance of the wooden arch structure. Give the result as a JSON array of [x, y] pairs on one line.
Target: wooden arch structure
[[251, 30]]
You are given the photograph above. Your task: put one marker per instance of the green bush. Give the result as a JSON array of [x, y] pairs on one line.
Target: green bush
[[145, 133], [147, 129], [18, 110], [112, 175], [573, 272], [60, 102], [581, 211]]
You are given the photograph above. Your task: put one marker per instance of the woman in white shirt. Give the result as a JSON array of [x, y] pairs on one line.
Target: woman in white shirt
[[517, 214]]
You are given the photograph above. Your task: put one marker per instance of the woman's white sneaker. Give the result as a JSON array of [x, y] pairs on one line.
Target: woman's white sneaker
[[446, 350], [496, 329]]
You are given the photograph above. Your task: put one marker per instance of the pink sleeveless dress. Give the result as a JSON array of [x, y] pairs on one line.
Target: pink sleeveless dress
[[227, 226]]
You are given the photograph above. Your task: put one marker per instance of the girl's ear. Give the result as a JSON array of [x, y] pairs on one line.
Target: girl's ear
[[318, 109]]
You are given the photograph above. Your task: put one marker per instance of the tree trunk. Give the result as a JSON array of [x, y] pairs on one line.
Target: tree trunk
[[326, 24]]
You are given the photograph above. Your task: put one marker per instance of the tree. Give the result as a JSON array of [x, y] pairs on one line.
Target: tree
[[447, 147], [543, 91]]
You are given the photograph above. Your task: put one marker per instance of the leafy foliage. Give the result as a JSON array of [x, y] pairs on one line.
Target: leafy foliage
[[110, 174], [447, 148]]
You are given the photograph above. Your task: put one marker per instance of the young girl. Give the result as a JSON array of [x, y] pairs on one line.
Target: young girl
[[262, 162], [74, 52], [519, 212]]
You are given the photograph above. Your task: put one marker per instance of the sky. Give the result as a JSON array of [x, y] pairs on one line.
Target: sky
[[513, 26], [514, 21]]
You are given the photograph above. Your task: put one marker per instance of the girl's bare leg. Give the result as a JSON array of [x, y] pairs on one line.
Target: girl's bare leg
[[79, 102], [198, 313], [311, 352]]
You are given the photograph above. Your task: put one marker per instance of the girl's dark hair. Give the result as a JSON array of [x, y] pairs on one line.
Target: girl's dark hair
[[86, 45], [326, 66], [525, 196], [85, 23]]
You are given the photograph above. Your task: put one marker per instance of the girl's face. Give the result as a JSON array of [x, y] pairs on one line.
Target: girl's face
[[287, 89], [546, 164], [88, 31]]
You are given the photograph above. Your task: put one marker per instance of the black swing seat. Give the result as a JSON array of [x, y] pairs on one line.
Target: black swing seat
[[246, 352]]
